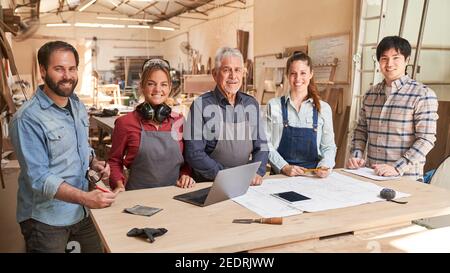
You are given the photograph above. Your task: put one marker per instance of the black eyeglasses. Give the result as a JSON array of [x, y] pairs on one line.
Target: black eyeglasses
[[92, 176], [155, 62]]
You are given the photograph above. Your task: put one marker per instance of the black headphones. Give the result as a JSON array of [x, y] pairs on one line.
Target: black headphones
[[158, 113]]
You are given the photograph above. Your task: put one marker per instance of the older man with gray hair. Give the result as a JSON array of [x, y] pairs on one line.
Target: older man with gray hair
[[223, 126]]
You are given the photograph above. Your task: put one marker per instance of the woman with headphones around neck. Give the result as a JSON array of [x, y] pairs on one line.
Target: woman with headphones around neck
[[148, 141], [300, 125]]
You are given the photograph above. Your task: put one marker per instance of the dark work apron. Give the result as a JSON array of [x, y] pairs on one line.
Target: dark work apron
[[234, 145], [157, 163], [298, 146]]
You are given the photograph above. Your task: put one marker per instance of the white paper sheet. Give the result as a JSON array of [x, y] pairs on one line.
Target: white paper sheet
[[370, 173], [335, 191], [265, 205]]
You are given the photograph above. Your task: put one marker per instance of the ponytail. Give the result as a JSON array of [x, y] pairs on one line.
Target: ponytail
[[314, 94]]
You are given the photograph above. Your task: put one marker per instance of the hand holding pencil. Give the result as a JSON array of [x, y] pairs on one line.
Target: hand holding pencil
[[292, 170], [102, 187], [99, 198], [322, 171]]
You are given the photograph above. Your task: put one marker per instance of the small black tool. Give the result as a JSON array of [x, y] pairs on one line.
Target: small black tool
[[389, 195], [107, 113], [148, 233]]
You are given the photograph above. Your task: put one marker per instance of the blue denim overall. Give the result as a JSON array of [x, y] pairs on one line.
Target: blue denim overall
[[298, 146]]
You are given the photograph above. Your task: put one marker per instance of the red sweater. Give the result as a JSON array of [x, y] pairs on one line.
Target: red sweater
[[126, 139]]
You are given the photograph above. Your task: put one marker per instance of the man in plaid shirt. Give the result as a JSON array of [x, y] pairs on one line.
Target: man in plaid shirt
[[397, 120]]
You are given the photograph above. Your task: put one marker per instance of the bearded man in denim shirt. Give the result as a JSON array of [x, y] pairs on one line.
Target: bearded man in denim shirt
[[50, 137]]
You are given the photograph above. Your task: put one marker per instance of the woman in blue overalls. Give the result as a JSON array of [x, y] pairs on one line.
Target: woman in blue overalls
[[299, 125]]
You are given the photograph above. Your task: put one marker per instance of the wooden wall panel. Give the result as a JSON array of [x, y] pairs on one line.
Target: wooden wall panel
[[442, 145], [11, 239]]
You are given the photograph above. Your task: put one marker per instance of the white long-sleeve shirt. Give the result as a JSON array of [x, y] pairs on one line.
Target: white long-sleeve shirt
[[326, 147]]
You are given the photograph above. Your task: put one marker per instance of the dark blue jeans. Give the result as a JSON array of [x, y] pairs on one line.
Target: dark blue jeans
[[43, 238]]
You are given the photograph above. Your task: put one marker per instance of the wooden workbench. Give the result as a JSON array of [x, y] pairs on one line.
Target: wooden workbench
[[106, 124], [210, 229]]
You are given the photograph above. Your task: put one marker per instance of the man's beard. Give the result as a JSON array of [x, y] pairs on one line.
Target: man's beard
[[55, 86]]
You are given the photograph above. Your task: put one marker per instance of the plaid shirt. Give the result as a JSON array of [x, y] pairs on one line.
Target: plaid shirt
[[400, 129]]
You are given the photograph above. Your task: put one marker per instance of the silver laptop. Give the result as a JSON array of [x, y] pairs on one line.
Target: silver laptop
[[229, 183]]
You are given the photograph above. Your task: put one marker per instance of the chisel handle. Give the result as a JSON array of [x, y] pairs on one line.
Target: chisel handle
[[272, 221]]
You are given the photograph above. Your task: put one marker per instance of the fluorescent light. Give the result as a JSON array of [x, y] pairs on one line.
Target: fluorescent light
[[86, 25], [164, 28], [124, 19], [87, 5], [138, 26], [111, 26], [59, 25], [99, 25], [136, 19]]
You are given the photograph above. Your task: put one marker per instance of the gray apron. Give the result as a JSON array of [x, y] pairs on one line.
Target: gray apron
[[234, 145], [157, 163]]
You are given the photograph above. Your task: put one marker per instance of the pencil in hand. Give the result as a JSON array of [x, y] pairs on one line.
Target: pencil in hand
[[102, 187], [316, 169]]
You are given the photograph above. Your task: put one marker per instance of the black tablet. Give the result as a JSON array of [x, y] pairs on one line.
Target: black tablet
[[291, 196]]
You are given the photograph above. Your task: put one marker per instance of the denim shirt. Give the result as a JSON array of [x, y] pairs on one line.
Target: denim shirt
[[326, 147], [52, 147]]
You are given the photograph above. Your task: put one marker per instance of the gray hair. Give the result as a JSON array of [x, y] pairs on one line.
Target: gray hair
[[226, 52]]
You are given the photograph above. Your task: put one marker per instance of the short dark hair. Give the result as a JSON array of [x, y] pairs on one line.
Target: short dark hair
[[400, 44], [46, 50]]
